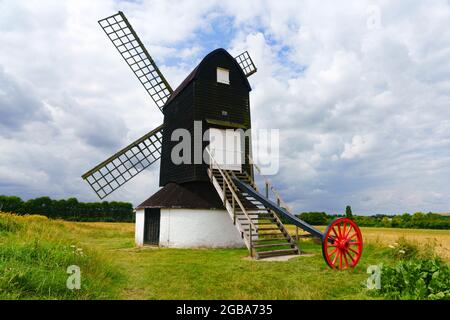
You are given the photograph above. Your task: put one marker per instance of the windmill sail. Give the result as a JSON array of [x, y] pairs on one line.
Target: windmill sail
[[125, 164], [125, 39], [246, 63]]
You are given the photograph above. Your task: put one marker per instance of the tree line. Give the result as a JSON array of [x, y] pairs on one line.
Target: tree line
[[73, 210], [418, 220], [70, 209]]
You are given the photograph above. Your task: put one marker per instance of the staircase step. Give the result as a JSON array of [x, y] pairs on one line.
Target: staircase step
[[262, 217], [241, 215], [254, 212], [273, 240], [275, 253], [256, 215], [264, 229], [256, 246], [253, 217], [269, 228], [272, 234], [258, 223], [269, 233]]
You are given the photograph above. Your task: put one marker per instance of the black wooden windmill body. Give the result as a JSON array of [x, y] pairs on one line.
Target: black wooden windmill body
[[197, 199]]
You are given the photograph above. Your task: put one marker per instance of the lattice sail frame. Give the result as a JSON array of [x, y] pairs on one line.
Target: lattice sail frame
[[132, 50], [125, 164], [246, 63]]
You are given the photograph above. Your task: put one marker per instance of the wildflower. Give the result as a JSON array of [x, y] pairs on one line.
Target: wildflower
[[401, 251], [391, 246]]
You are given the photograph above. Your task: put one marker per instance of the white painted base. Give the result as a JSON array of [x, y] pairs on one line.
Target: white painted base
[[187, 228], [193, 228]]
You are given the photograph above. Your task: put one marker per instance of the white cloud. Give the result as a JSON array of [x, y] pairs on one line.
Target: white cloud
[[357, 147]]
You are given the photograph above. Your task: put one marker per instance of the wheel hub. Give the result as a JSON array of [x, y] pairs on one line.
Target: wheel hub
[[342, 244]]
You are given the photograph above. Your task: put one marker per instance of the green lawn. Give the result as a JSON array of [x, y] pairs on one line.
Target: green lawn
[[114, 268], [226, 273]]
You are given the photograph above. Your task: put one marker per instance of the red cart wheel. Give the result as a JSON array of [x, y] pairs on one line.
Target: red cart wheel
[[342, 244]]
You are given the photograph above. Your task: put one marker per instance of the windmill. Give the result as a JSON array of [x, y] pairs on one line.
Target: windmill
[[121, 167], [187, 186], [199, 196]]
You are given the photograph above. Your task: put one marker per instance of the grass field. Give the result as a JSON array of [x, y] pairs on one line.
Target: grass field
[[35, 252]]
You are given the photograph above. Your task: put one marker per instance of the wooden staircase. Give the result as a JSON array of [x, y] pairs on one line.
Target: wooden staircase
[[263, 233]]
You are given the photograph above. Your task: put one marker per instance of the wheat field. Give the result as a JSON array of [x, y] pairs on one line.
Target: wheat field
[[440, 239]]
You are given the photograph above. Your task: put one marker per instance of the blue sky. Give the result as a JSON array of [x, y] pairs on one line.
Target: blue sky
[[360, 91]]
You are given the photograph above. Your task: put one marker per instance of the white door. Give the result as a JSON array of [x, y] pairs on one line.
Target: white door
[[225, 147]]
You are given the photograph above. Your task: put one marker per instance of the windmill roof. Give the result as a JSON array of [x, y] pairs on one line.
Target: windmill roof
[[189, 195], [194, 73]]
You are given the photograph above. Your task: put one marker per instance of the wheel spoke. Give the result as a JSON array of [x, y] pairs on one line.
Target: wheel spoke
[[333, 244], [356, 252], [334, 231], [348, 232], [340, 259], [339, 230], [345, 229], [351, 258], [352, 236], [351, 250], [354, 243], [345, 259], [335, 258], [331, 253]]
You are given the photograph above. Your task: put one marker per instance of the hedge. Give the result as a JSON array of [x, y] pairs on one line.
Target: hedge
[[417, 220], [70, 209], [73, 210]]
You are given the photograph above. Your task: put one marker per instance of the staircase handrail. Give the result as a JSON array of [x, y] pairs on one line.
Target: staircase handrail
[[227, 179]]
